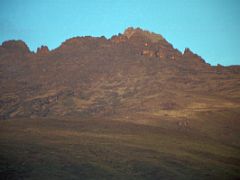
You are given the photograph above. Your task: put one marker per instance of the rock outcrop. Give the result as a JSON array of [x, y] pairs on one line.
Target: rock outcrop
[[43, 51], [188, 54], [15, 46]]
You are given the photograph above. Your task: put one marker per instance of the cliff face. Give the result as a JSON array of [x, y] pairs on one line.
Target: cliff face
[[137, 71]]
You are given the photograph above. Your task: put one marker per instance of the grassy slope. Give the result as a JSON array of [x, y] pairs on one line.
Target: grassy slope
[[118, 148]]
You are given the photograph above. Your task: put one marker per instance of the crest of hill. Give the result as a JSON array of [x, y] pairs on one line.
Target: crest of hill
[[128, 34], [15, 46]]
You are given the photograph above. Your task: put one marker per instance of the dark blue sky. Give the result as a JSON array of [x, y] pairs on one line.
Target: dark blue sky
[[211, 28]]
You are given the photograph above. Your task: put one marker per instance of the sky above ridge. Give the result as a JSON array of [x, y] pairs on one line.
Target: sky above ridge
[[210, 28]]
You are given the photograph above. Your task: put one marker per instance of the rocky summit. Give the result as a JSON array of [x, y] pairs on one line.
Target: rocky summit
[[129, 107]]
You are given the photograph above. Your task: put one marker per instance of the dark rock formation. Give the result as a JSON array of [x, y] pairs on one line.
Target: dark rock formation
[[43, 50], [188, 54]]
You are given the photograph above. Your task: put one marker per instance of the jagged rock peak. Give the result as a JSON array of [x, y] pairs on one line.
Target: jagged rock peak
[[43, 50], [190, 55], [129, 32], [187, 51], [16, 45]]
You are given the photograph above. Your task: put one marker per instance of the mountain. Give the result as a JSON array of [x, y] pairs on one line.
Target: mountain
[[128, 107], [137, 71]]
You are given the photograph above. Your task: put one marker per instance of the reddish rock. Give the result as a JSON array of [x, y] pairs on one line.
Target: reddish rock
[[15, 46], [119, 39], [189, 55], [43, 50], [153, 37]]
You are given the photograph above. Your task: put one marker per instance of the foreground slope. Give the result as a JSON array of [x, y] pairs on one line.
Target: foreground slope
[[129, 107]]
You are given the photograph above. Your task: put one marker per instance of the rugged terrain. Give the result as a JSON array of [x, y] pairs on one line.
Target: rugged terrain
[[128, 107]]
